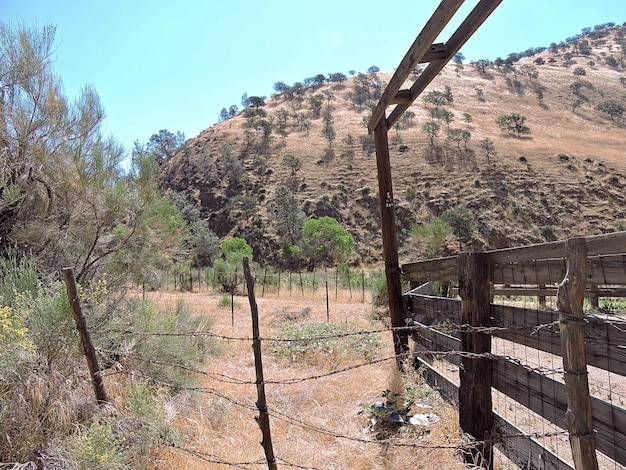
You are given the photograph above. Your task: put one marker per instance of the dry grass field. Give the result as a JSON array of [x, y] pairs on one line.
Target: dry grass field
[[317, 423]]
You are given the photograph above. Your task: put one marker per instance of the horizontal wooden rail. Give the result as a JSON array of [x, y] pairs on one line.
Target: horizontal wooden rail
[[526, 452], [548, 398]]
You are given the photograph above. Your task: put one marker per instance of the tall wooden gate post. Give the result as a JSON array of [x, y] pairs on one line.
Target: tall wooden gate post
[[569, 300], [475, 404], [390, 241]]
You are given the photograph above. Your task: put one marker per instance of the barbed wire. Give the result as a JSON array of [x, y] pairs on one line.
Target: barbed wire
[[210, 458]]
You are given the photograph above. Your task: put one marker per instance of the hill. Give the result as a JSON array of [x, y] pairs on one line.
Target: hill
[[564, 177]]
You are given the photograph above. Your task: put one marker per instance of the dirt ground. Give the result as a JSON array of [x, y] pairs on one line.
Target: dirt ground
[[317, 423]]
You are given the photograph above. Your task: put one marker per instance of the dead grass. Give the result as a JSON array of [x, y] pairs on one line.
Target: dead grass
[[307, 418]]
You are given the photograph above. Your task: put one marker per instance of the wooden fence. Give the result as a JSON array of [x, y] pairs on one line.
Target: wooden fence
[[487, 339]]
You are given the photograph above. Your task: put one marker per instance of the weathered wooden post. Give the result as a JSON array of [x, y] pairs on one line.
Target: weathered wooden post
[[570, 297], [475, 404], [390, 241], [85, 337], [263, 419]]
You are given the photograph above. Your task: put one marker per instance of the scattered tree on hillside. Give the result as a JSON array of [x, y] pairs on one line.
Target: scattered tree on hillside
[[337, 77], [292, 162], [460, 135], [164, 144], [513, 123], [481, 65], [285, 211], [436, 98], [328, 131], [431, 129], [281, 88], [579, 71], [373, 69], [446, 116], [467, 118], [488, 147], [530, 71], [316, 102], [325, 241], [613, 108]]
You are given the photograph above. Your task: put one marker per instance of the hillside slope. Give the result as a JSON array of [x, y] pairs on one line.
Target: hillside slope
[[564, 178]]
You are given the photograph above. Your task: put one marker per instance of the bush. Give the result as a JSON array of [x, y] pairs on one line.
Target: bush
[[308, 342]]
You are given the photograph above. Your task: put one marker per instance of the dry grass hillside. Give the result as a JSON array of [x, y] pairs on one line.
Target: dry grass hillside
[[564, 178]]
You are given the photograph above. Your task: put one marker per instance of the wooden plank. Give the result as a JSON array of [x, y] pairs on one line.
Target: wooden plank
[[430, 339], [390, 240], [440, 269], [605, 244], [526, 452], [422, 44], [570, 303], [469, 26], [602, 270], [548, 398], [428, 309], [524, 291], [448, 390], [606, 270], [539, 251], [545, 272], [604, 337]]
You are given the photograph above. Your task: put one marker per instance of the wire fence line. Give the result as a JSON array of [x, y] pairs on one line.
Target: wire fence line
[[276, 282], [461, 446]]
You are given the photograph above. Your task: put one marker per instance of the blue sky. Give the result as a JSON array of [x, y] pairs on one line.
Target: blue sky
[[174, 65]]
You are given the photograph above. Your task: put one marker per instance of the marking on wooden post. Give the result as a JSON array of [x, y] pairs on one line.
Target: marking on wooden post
[[263, 419], [85, 337], [570, 297], [390, 241], [475, 404]]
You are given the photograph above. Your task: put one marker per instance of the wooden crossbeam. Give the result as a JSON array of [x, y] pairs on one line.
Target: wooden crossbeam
[[473, 21], [420, 47]]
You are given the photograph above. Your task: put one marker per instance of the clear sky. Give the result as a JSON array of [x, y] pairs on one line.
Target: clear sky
[[175, 64]]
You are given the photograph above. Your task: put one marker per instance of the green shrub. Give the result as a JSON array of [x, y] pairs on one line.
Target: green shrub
[[303, 342], [98, 448]]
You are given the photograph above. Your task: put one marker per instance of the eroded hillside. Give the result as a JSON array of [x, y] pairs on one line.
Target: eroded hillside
[[565, 177]]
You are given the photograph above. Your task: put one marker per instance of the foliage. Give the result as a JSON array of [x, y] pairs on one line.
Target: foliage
[[203, 244], [285, 211], [99, 448], [163, 144], [431, 129], [234, 249], [305, 342], [292, 162], [432, 235], [380, 299], [63, 194], [513, 124], [460, 219], [325, 240], [46, 388], [612, 108], [488, 148]]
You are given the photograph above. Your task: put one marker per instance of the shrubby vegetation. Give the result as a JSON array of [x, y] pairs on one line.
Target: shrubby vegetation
[[65, 201]]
